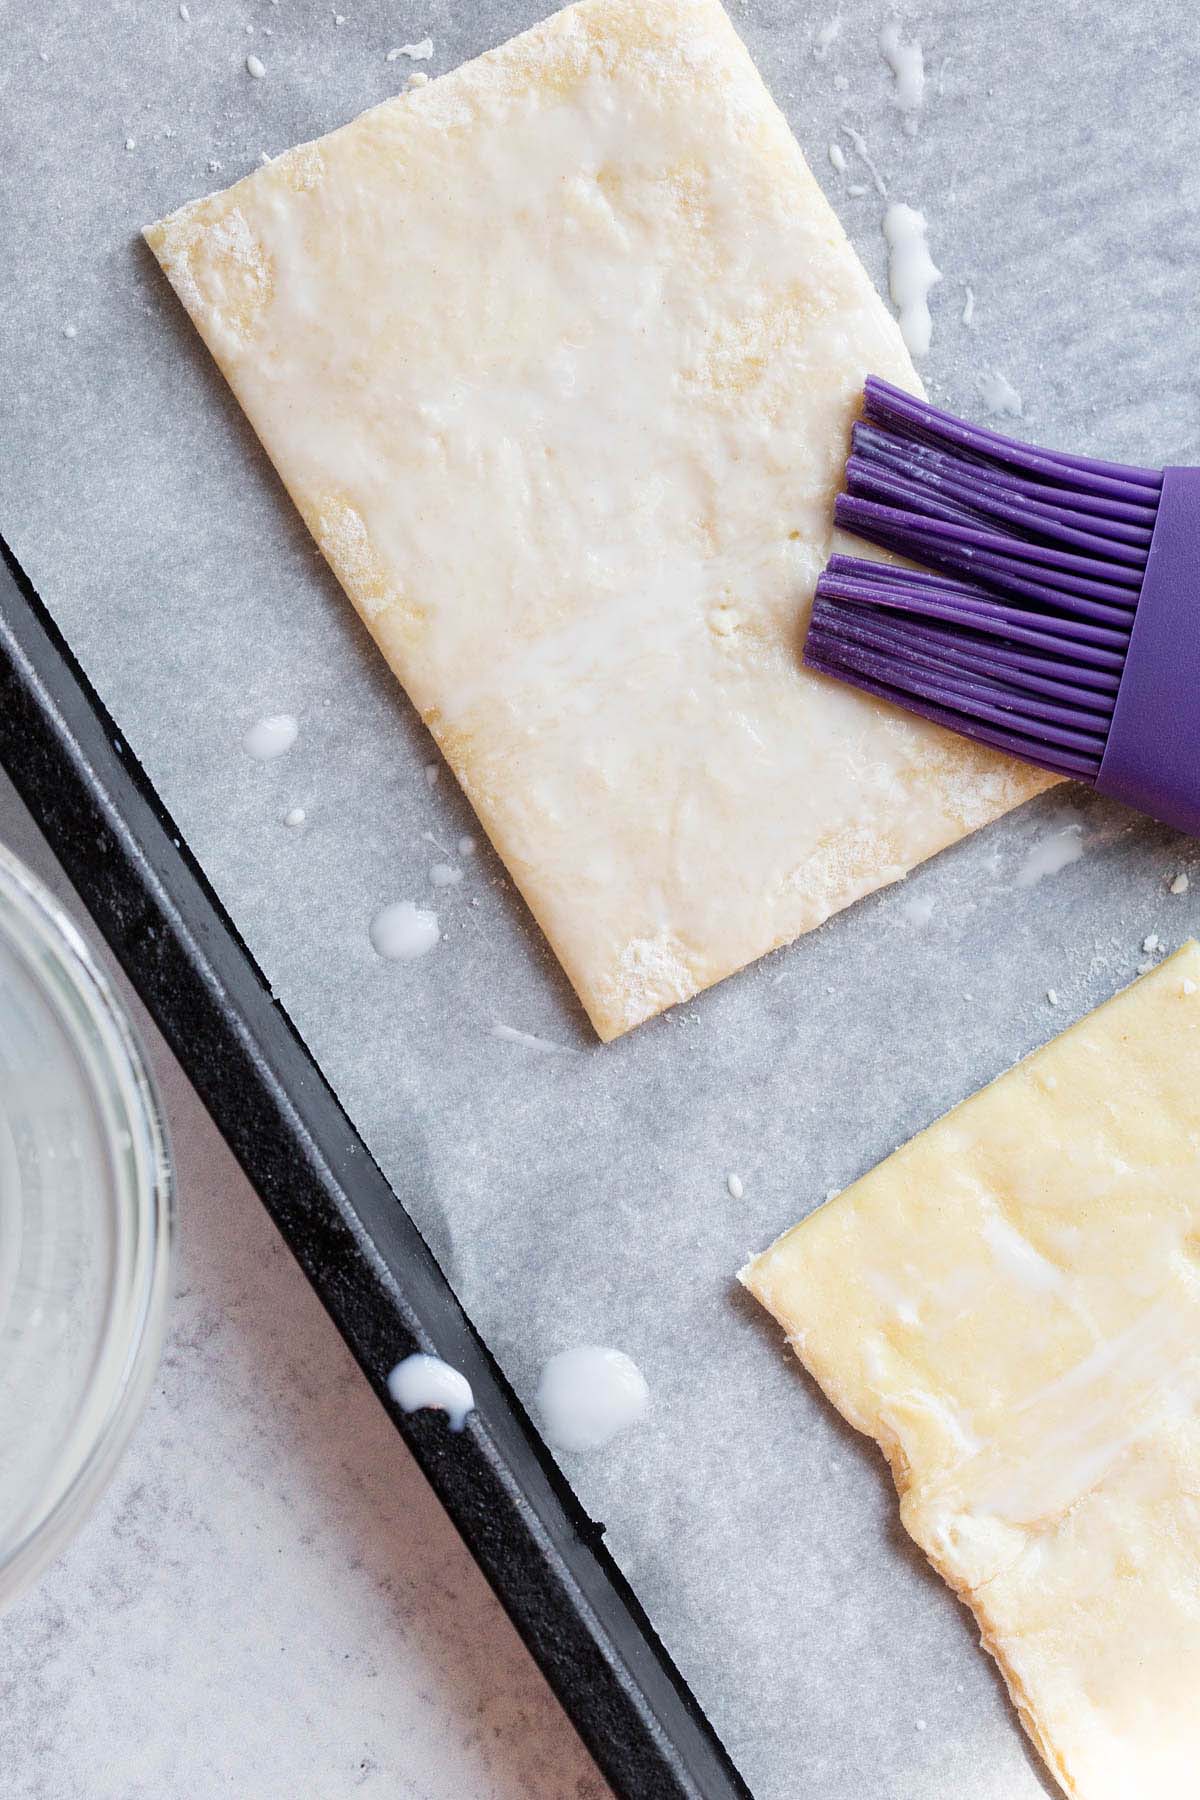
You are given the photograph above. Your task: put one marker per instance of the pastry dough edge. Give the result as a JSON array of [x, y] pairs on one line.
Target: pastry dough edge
[[754, 1277]]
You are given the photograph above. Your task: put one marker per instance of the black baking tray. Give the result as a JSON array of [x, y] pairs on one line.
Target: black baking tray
[[348, 1229]]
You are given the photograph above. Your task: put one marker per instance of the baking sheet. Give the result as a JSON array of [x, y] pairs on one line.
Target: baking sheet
[[581, 1196]]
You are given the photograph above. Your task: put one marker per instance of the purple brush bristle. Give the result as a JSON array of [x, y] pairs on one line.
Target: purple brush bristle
[[1019, 635]]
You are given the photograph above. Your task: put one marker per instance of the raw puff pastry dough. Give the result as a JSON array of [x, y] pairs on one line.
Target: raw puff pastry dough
[[1011, 1305], [557, 357]]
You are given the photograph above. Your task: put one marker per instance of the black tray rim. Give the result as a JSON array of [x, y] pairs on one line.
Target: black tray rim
[[541, 1554]]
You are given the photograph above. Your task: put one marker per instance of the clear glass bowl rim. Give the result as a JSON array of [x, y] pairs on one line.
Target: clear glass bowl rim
[[30, 916]]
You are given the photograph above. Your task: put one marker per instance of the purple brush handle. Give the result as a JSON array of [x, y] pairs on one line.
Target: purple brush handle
[[1152, 756]]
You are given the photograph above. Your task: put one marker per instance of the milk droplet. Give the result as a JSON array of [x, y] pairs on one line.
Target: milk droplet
[[426, 1381], [69, 332], [736, 1186], [1050, 854], [466, 846], [432, 771], [1051, 997], [837, 157], [445, 875], [417, 79], [255, 68], [131, 143], [185, 15], [295, 818], [968, 311], [402, 932], [1000, 396], [911, 274], [859, 143], [907, 63], [1181, 884], [415, 52], [271, 737], [589, 1394]]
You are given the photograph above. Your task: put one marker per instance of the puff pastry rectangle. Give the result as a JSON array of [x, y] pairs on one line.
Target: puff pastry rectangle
[[557, 357], [1010, 1305]]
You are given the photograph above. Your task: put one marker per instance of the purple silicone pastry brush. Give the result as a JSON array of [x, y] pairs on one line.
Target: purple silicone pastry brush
[[1060, 615]]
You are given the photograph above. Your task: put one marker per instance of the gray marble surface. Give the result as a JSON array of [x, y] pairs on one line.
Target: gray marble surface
[[269, 1603]]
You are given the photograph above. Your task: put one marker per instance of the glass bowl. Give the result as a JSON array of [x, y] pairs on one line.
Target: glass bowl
[[85, 1228]]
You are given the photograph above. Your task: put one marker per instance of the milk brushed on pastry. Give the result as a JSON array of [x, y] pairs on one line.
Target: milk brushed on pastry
[[557, 357], [1010, 1305]]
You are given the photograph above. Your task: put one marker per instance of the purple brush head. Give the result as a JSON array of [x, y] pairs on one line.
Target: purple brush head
[[1062, 623]]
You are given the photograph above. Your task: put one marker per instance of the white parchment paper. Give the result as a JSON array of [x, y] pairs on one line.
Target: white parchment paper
[[582, 1196]]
